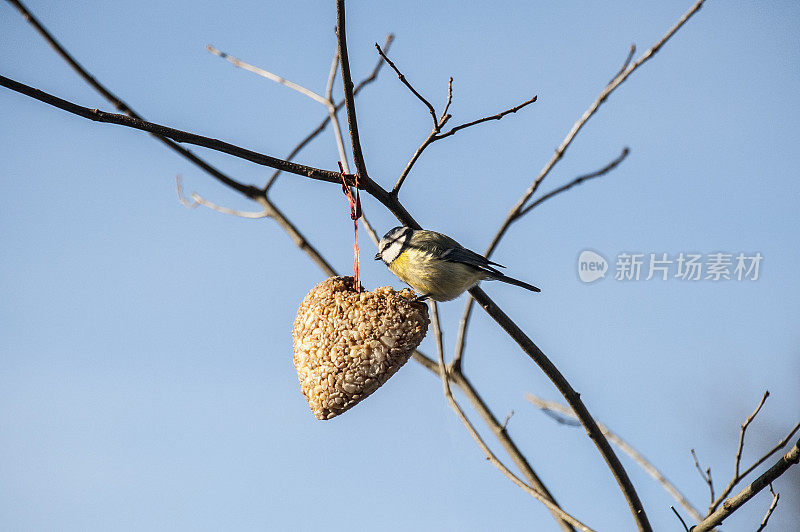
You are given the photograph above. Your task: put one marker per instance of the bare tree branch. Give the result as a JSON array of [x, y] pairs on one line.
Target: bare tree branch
[[329, 104], [498, 116], [197, 199], [437, 126], [178, 136], [743, 430], [738, 459], [772, 506], [480, 406], [403, 79], [366, 81], [120, 105], [731, 505], [686, 528], [573, 398], [349, 100], [474, 433], [627, 62], [705, 475], [577, 181], [513, 214], [637, 457], [780, 445], [438, 121], [589, 113], [267, 74], [737, 476], [270, 211], [326, 101], [467, 313]]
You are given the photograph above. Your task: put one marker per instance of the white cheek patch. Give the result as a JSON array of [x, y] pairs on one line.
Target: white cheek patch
[[392, 252], [398, 240]]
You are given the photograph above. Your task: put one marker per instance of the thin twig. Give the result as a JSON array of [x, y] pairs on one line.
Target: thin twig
[[331, 106], [449, 99], [370, 230], [197, 199], [780, 445], [438, 122], [498, 116], [326, 100], [743, 430], [772, 506], [270, 211], [705, 475], [436, 134], [686, 528], [405, 82], [734, 503], [267, 74], [508, 418], [461, 335], [297, 237], [490, 456], [337, 133], [737, 476], [627, 62], [427, 142], [577, 181], [644, 463], [321, 127], [738, 458]]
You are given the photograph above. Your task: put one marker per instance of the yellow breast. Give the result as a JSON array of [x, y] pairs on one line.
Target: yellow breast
[[441, 279]]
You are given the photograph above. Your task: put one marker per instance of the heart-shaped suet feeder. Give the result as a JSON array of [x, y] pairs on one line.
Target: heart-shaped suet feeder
[[348, 343]]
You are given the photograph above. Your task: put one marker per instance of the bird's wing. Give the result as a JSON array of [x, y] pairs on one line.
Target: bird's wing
[[448, 249], [466, 256]]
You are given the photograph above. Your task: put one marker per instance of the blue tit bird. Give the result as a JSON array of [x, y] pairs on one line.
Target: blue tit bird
[[436, 265]]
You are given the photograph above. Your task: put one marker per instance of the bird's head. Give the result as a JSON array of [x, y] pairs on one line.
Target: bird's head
[[393, 243]]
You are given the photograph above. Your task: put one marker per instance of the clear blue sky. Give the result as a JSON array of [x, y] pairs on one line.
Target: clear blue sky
[[146, 380]]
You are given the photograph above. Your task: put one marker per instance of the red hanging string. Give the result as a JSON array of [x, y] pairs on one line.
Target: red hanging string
[[355, 214]]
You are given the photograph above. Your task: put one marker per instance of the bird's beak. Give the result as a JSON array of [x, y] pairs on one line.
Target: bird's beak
[[377, 256]]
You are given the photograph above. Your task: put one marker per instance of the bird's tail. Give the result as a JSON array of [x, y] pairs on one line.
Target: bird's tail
[[517, 282]]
